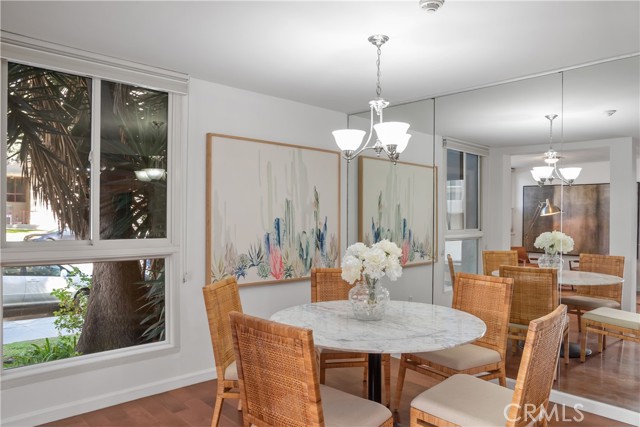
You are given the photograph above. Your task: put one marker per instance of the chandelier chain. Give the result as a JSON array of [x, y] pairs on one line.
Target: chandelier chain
[[378, 87]]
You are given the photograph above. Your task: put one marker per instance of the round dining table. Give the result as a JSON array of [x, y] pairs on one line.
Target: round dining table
[[407, 327]]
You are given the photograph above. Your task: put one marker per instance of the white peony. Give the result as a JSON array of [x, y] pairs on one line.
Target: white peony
[[554, 241], [382, 258]]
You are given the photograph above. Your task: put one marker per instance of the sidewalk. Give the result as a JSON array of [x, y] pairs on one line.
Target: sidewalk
[[28, 329]]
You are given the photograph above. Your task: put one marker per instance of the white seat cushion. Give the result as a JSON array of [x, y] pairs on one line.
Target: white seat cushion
[[462, 357], [467, 401], [589, 302], [344, 409], [231, 373], [625, 319]]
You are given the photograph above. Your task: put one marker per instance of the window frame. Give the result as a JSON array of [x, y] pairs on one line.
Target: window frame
[[171, 247]]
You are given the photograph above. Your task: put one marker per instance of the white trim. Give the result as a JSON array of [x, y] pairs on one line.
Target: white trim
[[16, 47], [49, 414], [464, 146]]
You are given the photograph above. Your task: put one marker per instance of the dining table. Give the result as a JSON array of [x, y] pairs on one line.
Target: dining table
[[407, 327]]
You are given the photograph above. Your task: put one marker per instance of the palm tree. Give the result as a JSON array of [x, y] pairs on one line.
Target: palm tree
[[48, 127]]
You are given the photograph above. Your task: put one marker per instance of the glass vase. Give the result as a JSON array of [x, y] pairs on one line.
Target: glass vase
[[368, 299], [549, 260]]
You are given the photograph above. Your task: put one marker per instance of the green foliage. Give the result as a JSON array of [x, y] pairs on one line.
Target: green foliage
[[154, 298], [62, 348], [73, 303]]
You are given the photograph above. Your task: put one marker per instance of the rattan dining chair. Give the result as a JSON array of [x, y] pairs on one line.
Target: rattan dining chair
[[279, 383], [464, 400], [492, 260], [488, 298], [590, 297], [327, 285], [535, 294], [220, 299]]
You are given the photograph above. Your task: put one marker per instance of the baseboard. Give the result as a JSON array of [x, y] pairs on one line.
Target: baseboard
[[70, 409], [591, 406]]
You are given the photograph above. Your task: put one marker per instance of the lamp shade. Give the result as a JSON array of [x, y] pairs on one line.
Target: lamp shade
[[549, 209], [403, 142], [348, 139], [154, 173], [543, 172], [142, 176], [570, 174], [391, 133], [535, 175]]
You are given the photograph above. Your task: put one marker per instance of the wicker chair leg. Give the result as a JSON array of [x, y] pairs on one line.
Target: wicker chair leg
[[502, 379], [600, 343], [387, 379], [217, 410], [239, 405], [566, 347], [583, 343], [579, 314], [323, 374], [401, 373]]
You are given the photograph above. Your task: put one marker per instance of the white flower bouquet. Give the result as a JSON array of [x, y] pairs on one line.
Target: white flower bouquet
[[374, 262], [553, 242]]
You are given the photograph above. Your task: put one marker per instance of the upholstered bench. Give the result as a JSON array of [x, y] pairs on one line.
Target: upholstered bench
[[611, 322]]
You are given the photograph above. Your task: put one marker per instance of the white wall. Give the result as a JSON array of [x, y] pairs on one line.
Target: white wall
[[212, 108]]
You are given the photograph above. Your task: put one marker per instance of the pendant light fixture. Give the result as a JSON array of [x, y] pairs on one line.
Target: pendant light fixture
[[391, 137], [544, 174]]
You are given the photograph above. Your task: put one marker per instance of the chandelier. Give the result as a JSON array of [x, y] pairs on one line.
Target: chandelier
[[548, 173], [391, 137]]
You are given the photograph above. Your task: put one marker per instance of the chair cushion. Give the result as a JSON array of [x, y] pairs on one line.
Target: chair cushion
[[344, 409], [611, 316], [231, 373], [467, 401], [589, 302], [462, 357]]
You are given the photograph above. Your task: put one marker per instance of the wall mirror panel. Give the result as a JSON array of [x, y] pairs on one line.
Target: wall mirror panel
[[406, 214], [510, 120]]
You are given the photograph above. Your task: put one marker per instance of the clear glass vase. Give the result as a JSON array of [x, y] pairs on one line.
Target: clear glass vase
[[368, 299], [549, 260]]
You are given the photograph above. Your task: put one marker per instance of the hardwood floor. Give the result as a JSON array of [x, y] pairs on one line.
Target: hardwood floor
[[193, 405]]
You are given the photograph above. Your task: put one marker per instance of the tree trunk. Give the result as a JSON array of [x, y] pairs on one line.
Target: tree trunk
[[113, 316]]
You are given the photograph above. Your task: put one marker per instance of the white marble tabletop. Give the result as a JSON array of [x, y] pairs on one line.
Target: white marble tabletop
[[408, 327], [581, 278]]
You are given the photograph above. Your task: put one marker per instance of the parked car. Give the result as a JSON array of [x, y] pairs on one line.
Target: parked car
[[32, 284], [65, 234]]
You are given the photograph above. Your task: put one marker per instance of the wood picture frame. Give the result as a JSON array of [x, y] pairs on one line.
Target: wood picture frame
[[399, 203], [272, 210]]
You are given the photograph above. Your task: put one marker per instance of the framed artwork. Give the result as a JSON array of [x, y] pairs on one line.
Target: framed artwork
[[273, 210], [585, 215], [398, 203]]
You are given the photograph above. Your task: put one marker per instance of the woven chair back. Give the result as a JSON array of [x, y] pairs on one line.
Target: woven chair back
[[537, 368], [277, 371], [488, 298], [452, 271], [606, 264], [220, 299], [535, 292], [492, 260], [327, 285]]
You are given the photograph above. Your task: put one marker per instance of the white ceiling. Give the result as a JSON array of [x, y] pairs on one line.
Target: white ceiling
[[317, 53]]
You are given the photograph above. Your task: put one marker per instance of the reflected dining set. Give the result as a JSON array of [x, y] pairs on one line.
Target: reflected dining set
[[275, 367]]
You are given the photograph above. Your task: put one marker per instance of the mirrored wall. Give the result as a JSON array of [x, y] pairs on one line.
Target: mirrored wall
[[508, 120]]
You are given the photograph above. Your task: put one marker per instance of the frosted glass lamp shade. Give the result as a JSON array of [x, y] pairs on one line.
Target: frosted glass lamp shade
[[402, 143], [391, 132], [543, 172], [570, 174], [535, 175], [154, 173], [142, 176], [348, 139]]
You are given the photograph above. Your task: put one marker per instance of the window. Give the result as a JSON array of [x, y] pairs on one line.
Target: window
[[96, 157], [463, 207]]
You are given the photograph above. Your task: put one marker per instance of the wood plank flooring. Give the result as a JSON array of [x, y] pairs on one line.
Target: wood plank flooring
[[193, 405]]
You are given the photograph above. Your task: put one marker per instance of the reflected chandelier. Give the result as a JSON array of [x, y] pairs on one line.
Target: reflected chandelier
[[391, 137], [548, 173]]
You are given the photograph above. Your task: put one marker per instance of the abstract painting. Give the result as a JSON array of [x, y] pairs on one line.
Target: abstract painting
[[273, 210], [398, 203]]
